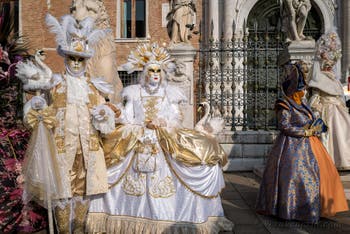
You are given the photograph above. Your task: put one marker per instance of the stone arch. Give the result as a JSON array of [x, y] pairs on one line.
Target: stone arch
[[325, 8]]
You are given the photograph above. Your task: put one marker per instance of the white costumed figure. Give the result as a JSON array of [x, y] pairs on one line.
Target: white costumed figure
[[328, 99], [163, 178], [74, 116]]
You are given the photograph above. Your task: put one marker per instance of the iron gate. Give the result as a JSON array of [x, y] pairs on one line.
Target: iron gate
[[240, 78]]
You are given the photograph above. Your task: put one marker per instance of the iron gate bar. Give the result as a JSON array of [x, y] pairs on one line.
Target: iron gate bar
[[238, 89]]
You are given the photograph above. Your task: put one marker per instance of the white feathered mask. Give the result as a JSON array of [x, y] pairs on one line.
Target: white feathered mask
[[74, 38]]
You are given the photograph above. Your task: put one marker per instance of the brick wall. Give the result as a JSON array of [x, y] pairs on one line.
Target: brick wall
[[35, 30]]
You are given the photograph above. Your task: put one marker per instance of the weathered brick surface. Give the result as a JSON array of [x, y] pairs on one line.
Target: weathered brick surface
[[34, 28]]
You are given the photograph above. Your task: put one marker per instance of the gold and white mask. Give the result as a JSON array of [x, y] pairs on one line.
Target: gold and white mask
[[153, 76], [75, 65]]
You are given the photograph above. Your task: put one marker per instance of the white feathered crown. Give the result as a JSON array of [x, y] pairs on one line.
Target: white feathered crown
[[72, 37], [148, 53]]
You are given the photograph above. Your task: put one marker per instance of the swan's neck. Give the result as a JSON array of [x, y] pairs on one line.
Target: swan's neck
[[205, 118], [42, 64]]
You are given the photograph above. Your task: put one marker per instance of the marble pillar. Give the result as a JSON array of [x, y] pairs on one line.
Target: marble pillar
[[214, 17], [229, 13], [183, 77], [346, 37]]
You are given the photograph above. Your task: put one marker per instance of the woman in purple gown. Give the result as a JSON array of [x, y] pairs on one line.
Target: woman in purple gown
[[300, 181]]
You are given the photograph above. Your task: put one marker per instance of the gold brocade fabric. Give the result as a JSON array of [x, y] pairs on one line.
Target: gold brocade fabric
[[103, 223], [75, 134], [62, 217], [192, 147], [187, 146], [46, 115], [116, 147], [150, 108], [78, 176]]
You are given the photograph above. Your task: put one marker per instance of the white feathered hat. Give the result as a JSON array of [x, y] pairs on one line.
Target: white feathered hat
[[73, 37]]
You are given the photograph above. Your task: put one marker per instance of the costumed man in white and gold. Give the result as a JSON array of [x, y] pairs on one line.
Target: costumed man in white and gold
[[163, 178], [328, 99], [103, 63], [75, 99]]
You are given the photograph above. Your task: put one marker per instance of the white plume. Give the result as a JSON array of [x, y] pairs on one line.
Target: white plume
[[59, 29], [129, 67], [87, 25]]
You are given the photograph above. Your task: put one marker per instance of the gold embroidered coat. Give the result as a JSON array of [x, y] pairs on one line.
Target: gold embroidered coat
[[75, 134]]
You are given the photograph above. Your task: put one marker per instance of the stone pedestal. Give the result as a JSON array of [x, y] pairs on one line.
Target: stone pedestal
[[246, 150], [183, 77], [299, 50]]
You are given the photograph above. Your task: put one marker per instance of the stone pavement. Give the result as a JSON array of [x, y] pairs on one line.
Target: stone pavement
[[239, 198]]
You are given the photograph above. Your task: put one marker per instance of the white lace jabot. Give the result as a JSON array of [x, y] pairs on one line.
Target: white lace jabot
[[77, 90]]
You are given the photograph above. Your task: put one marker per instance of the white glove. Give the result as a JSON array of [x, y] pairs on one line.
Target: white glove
[[102, 113], [38, 103], [103, 118]]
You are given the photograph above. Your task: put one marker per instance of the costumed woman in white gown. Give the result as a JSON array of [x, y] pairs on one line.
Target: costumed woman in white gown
[[163, 178], [328, 99]]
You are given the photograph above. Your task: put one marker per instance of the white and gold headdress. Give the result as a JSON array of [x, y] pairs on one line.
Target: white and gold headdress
[[146, 54], [72, 37]]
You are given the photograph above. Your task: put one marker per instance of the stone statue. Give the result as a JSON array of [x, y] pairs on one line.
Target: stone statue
[[103, 64], [181, 20], [179, 75], [294, 13]]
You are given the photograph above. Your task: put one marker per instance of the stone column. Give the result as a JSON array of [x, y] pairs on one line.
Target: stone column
[[183, 77], [229, 6], [214, 17], [346, 37]]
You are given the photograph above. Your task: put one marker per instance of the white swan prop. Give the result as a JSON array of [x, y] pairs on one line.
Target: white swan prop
[[208, 124], [35, 75]]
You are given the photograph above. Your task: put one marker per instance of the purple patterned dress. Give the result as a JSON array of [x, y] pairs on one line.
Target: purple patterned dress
[[290, 184]]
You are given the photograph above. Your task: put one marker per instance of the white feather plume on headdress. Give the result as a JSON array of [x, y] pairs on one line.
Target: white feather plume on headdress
[[147, 53], [92, 34], [60, 30], [73, 37]]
